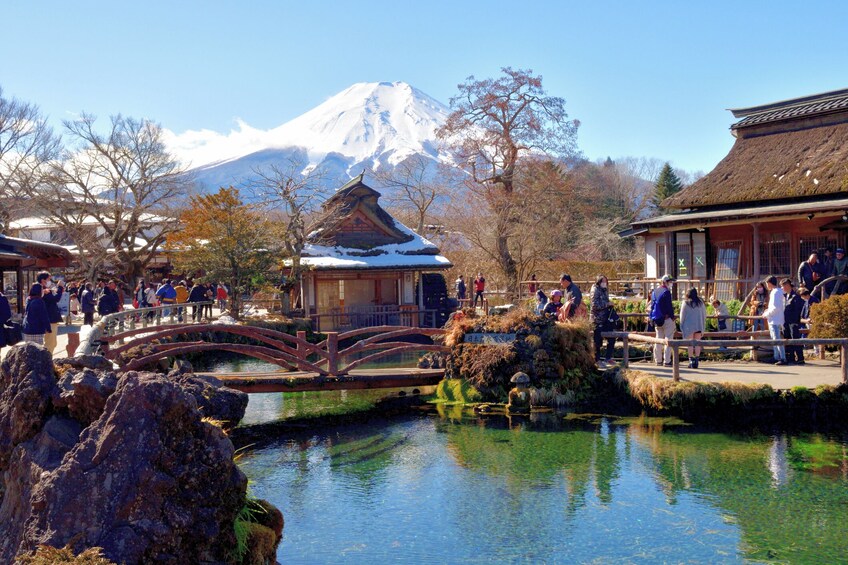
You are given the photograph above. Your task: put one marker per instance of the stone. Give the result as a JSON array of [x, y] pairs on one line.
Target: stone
[[149, 482], [519, 397], [27, 382], [214, 400], [84, 393], [95, 362]]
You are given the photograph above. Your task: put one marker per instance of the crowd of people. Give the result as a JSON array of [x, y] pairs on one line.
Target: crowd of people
[[42, 314]]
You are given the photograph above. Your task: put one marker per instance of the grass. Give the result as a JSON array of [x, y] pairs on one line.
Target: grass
[[456, 391], [47, 555]]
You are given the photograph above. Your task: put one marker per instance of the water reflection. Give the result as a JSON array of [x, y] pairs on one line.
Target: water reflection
[[458, 488]]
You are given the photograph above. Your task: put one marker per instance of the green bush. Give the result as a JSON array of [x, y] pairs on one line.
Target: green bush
[[830, 318]]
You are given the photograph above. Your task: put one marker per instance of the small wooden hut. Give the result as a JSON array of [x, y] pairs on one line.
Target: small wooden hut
[[21, 259]]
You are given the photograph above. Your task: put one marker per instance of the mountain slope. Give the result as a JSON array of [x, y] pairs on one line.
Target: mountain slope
[[368, 125]]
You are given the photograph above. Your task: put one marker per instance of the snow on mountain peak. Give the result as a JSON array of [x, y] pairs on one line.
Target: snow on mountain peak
[[374, 123]]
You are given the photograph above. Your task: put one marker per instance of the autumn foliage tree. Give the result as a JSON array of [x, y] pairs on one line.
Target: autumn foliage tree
[[497, 126], [227, 240]]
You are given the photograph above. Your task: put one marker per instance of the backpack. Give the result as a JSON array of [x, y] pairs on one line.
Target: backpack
[[657, 317]]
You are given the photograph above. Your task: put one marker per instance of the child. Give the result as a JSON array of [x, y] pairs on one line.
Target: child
[[722, 313]]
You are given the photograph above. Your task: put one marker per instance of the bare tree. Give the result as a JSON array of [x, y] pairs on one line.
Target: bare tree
[[413, 184], [495, 125], [27, 145], [295, 197], [125, 184]]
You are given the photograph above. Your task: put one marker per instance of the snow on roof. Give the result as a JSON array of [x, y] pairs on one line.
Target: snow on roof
[[418, 252], [45, 222]]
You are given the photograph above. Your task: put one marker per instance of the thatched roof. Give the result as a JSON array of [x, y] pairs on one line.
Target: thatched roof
[[794, 164]]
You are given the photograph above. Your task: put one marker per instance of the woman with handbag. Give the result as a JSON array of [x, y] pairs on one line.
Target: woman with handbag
[[603, 313]]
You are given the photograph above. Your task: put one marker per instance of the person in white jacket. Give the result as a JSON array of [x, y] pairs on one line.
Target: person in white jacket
[[774, 317]]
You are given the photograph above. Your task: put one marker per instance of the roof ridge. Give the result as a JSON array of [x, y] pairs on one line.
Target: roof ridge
[[788, 103]]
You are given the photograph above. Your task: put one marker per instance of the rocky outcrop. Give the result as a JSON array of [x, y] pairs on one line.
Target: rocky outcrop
[[129, 462]]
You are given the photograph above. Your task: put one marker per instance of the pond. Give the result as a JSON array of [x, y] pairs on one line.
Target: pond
[[451, 488]]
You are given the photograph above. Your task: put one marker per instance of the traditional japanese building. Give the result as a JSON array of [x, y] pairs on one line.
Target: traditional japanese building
[[20, 261], [365, 267], [781, 193]]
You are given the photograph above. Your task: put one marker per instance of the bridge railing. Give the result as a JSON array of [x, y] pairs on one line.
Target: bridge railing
[[728, 341], [126, 320]]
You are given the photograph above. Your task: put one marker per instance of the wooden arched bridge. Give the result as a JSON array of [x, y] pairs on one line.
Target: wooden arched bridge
[[304, 365]]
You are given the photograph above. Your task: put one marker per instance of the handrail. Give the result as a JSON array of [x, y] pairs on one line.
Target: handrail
[[108, 324], [674, 344]]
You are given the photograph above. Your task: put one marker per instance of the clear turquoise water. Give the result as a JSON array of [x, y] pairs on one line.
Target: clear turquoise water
[[450, 488]]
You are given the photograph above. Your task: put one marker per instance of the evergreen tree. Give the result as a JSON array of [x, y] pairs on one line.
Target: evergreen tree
[[668, 183]]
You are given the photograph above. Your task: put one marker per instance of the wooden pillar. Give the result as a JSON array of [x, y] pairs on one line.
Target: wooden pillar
[[20, 274], [333, 350], [626, 345], [675, 364], [755, 250], [843, 360], [301, 348]]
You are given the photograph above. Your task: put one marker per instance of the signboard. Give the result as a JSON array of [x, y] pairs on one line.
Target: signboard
[[490, 338]]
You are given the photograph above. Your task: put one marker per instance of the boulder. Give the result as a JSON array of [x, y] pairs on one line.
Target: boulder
[[84, 393], [214, 400], [27, 382], [149, 482], [95, 362]]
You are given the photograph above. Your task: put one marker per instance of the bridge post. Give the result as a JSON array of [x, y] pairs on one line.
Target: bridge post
[[626, 357], [301, 348], [333, 351]]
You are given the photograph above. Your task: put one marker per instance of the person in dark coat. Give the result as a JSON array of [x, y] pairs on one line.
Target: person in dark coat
[[573, 295], [51, 302], [5, 317], [108, 303], [601, 310], [460, 288], [552, 308], [87, 305], [808, 272], [36, 322], [840, 268], [197, 294], [792, 322]]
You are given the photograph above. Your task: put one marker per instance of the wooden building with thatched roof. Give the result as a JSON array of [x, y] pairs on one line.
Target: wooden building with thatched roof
[[781, 193], [365, 268]]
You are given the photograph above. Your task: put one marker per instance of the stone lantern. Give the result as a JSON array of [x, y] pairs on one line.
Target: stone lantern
[[519, 397]]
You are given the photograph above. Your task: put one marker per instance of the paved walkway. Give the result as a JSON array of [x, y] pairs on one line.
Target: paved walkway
[[813, 373]]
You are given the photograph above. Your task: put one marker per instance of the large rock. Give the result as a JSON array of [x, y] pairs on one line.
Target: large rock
[[84, 393], [157, 483], [27, 382], [96, 362], [214, 400]]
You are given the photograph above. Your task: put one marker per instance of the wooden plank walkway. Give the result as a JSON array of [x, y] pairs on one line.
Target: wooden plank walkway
[[304, 381], [813, 373]]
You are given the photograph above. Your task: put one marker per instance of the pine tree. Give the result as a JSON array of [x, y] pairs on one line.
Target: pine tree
[[668, 183]]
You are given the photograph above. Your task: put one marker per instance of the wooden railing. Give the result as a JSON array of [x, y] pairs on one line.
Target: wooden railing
[[143, 318], [288, 351], [641, 287], [353, 317], [752, 342]]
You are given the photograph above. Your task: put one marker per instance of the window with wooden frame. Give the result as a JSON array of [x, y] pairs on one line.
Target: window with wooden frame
[[728, 254], [774, 254]]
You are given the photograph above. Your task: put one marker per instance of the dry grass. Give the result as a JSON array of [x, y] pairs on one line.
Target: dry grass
[[47, 555], [665, 394]]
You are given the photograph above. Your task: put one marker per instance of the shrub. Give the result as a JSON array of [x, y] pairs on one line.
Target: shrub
[[830, 318], [47, 555], [457, 390]]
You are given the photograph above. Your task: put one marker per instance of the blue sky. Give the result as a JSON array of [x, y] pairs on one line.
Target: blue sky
[[646, 79]]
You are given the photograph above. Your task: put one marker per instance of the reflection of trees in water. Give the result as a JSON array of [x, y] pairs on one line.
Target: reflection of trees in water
[[782, 491]]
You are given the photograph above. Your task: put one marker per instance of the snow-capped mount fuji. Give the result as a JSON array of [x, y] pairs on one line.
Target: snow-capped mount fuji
[[366, 126]]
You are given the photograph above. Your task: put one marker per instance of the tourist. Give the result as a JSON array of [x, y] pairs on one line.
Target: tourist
[[210, 298], [460, 289], [662, 316], [693, 321], [721, 313], [809, 300], [197, 294], [140, 295], [541, 301], [773, 316], [36, 322], [533, 286], [808, 274], [5, 318], [573, 297], [181, 289], [51, 303], [166, 295], [221, 295], [73, 290], [120, 292], [479, 289], [840, 269], [552, 308], [108, 303], [792, 321], [757, 305], [602, 310], [87, 305], [826, 268]]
